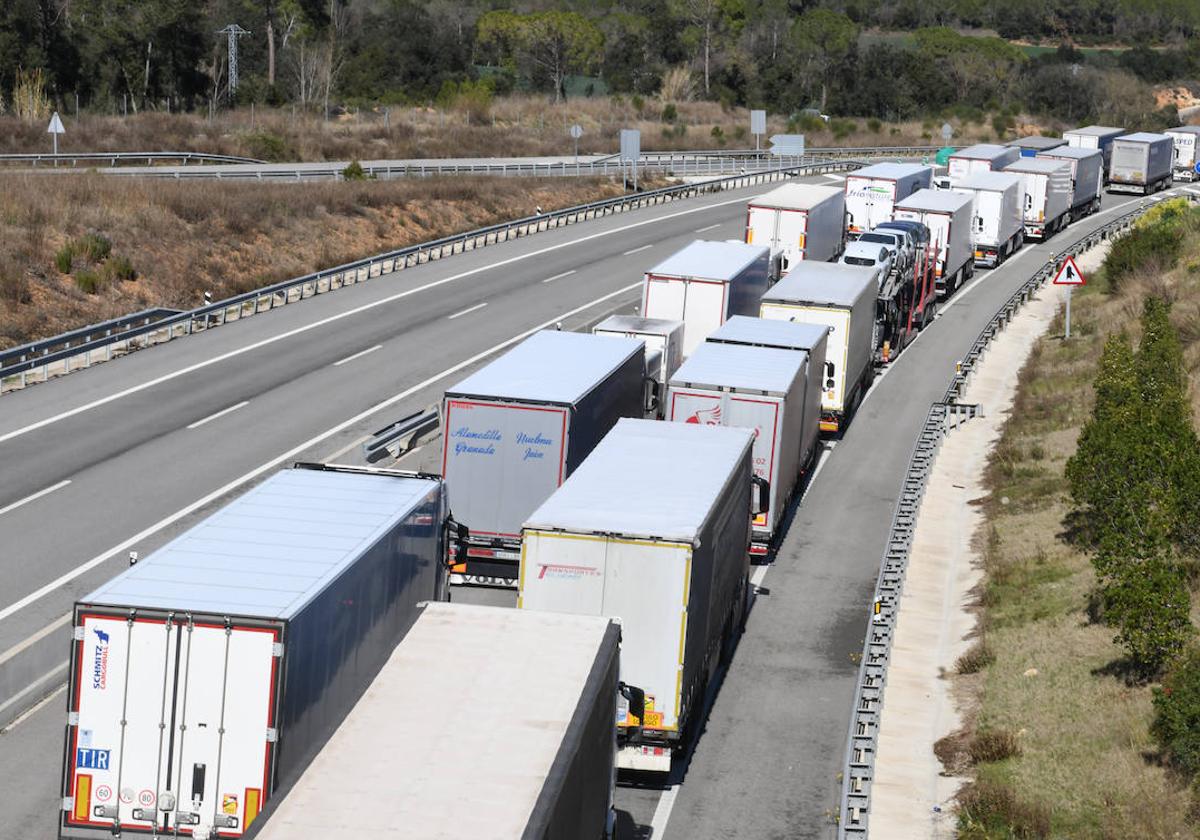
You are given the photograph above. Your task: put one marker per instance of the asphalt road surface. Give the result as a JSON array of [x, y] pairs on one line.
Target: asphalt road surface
[[125, 455]]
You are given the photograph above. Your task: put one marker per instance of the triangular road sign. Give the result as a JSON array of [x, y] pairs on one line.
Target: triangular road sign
[[56, 126], [1069, 274]]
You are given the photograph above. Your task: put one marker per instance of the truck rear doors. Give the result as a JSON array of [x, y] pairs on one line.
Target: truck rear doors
[[700, 304], [171, 725]]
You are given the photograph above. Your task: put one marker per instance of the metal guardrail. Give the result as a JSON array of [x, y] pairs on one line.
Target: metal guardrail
[[17, 374], [82, 337], [858, 769], [128, 158]]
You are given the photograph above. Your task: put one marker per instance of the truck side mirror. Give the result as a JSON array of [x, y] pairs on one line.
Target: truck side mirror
[[760, 495], [458, 534], [636, 698]]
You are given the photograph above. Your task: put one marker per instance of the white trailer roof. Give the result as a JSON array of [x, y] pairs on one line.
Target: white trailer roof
[[793, 196], [771, 370], [935, 201], [1183, 129], [826, 284], [390, 770], [988, 181], [1073, 152], [1036, 141], [887, 170], [1094, 131], [1142, 137], [636, 324], [647, 479], [710, 260], [981, 151], [1036, 165], [550, 366], [268, 552], [768, 332]]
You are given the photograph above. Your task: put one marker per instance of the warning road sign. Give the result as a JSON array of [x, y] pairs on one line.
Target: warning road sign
[[1069, 274]]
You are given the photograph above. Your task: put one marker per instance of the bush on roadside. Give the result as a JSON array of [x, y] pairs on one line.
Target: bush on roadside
[[269, 146], [670, 113], [92, 247], [979, 656], [354, 172], [89, 281], [1176, 724], [1149, 603], [64, 258], [988, 809], [116, 269], [994, 745]]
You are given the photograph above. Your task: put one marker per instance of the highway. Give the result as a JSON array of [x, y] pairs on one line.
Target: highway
[[124, 455]]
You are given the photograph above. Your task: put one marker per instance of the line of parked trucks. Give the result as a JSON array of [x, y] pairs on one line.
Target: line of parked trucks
[[291, 664]]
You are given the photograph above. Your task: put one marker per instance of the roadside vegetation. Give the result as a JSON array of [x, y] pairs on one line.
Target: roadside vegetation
[[83, 248], [1083, 689]]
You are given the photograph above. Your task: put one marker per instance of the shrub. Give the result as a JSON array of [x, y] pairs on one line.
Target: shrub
[[1158, 244], [1149, 603], [993, 745], [118, 269], [718, 134], [991, 809], [979, 656], [874, 125], [639, 104], [670, 113], [999, 124], [354, 172], [740, 133], [92, 247], [1176, 724], [14, 284], [89, 281], [266, 145], [64, 258]]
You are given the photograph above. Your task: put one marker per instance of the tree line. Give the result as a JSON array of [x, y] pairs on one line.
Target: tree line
[[889, 59]]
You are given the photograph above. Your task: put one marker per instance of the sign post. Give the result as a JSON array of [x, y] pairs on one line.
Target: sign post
[[55, 128], [576, 133], [758, 126], [631, 150], [1069, 276]]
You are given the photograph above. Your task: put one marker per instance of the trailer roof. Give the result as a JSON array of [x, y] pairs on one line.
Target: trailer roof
[[647, 479], [795, 196], [1183, 129], [551, 367], [894, 171], [1094, 131], [1037, 165], [826, 284], [770, 370], [982, 151], [1036, 141], [267, 553], [635, 324], [768, 332], [989, 181], [387, 771], [1072, 152], [710, 260], [936, 201], [1143, 137]]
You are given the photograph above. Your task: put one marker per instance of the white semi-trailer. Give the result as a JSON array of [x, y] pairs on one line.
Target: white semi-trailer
[[1098, 137], [1141, 163], [516, 428], [530, 752], [1046, 195], [873, 191], [653, 529], [1087, 177], [947, 214], [757, 388], [703, 284], [798, 222], [982, 157], [206, 676], [664, 348], [841, 297], [997, 227], [1185, 158]]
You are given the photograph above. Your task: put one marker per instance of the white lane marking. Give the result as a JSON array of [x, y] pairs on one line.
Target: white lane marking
[[38, 706], [83, 568], [35, 638], [710, 227], [347, 314], [635, 250], [559, 276], [220, 413], [34, 496], [467, 311], [358, 355], [662, 812]]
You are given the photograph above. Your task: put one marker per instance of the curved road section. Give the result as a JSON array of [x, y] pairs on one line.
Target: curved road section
[[123, 456]]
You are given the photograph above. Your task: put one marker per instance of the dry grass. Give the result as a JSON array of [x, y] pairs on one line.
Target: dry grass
[[1087, 761], [182, 238]]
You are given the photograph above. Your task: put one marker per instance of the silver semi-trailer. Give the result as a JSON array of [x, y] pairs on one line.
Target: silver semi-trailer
[[1186, 158], [1087, 177], [947, 214], [982, 157], [1046, 195], [798, 222], [1141, 163], [664, 348], [515, 429], [1098, 137], [511, 737], [208, 674], [873, 192], [997, 229]]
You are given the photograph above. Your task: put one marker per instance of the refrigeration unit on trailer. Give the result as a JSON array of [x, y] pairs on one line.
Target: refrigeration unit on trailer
[[515, 429], [840, 297], [1184, 138], [947, 214], [664, 348], [1141, 163], [813, 339], [756, 388], [872, 192], [532, 756], [1098, 137], [997, 226], [703, 284], [797, 222], [1034, 145], [207, 675], [1087, 177], [653, 529], [1045, 196], [982, 157]]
